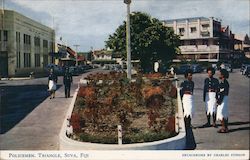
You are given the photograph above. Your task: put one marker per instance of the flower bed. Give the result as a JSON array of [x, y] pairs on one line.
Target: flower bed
[[145, 108]]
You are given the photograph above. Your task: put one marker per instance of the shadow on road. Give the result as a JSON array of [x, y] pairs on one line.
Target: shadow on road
[[238, 123], [190, 140], [238, 129], [16, 102]]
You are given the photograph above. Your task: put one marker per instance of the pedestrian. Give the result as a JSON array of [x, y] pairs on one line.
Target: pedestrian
[[222, 100], [209, 96], [67, 80], [52, 80], [187, 89]]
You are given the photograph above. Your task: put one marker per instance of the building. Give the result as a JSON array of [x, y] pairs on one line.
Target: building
[[24, 45], [242, 44], [202, 39], [66, 56], [103, 57]]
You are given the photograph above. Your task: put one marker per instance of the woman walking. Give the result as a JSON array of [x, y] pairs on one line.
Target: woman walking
[[222, 101], [187, 88], [52, 80], [209, 96]]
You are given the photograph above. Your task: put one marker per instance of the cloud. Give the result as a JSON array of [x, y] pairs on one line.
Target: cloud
[[89, 22]]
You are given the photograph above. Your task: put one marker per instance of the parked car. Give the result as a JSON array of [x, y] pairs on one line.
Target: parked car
[[182, 69], [243, 67], [75, 71], [196, 68], [58, 70], [247, 71], [228, 67]]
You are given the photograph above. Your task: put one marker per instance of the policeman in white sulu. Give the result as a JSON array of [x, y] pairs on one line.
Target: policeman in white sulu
[[187, 88], [222, 100], [209, 96]]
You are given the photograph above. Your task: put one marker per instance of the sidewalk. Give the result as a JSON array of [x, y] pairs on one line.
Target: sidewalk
[[40, 129]]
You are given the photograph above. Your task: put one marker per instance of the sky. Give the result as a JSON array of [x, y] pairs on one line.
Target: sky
[[89, 23]]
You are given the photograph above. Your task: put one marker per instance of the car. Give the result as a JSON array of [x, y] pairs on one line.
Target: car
[[182, 69], [75, 71], [58, 70], [228, 67], [196, 68], [247, 71], [243, 67]]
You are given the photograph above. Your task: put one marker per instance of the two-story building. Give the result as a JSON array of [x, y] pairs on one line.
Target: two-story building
[[25, 44], [202, 39]]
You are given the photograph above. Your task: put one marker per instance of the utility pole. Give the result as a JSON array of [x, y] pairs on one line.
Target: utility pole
[[2, 15], [128, 2], [76, 45]]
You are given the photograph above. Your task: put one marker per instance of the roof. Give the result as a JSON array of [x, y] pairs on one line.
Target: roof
[[182, 20], [102, 52]]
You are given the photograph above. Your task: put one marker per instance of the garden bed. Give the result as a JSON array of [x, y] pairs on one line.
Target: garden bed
[[144, 107]]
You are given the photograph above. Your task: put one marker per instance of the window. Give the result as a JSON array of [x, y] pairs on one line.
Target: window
[[18, 60], [205, 26], [37, 60], [204, 42], [0, 35], [193, 29], [181, 31], [26, 59], [18, 37], [45, 60], [37, 41], [26, 39], [45, 44], [5, 35], [192, 42], [182, 43]]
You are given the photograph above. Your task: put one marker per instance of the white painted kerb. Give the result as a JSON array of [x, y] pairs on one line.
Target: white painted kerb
[[175, 143]]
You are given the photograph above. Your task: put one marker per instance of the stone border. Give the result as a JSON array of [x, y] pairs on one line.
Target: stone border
[[174, 143]]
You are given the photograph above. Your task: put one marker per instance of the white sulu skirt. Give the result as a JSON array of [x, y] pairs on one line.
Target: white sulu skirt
[[210, 102], [52, 85], [188, 105], [222, 109]]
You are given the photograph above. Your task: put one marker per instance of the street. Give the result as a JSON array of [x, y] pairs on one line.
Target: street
[[31, 121], [239, 123]]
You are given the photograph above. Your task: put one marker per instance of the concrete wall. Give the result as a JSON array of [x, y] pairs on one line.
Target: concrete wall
[[175, 143], [15, 22]]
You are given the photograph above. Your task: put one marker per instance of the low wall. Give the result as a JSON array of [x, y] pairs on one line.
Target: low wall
[[174, 143]]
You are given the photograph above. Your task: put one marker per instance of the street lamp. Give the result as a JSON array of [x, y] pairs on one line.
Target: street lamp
[[128, 39]]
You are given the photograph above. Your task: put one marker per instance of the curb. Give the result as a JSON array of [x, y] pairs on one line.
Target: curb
[[174, 143]]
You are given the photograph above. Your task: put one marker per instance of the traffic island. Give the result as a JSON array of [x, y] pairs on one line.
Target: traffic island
[[110, 112]]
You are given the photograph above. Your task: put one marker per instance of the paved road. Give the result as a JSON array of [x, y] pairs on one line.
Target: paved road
[[32, 124], [239, 123], [38, 125]]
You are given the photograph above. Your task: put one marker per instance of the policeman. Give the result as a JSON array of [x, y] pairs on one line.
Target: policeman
[[222, 100], [209, 96], [67, 80], [187, 88]]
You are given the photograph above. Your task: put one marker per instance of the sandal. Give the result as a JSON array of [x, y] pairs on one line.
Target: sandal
[[222, 131]]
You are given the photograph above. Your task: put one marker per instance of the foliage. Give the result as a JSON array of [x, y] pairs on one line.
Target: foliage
[[118, 101], [150, 41]]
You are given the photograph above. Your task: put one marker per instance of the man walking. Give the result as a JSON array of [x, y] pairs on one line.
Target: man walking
[[67, 80]]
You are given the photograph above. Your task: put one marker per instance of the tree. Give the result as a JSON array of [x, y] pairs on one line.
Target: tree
[[150, 41]]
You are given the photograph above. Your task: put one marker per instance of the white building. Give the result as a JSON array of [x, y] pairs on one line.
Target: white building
[[202, 39], [24, 44]]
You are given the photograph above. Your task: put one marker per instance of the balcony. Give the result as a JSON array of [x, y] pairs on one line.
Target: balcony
[[200, 48], [205, 33]]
